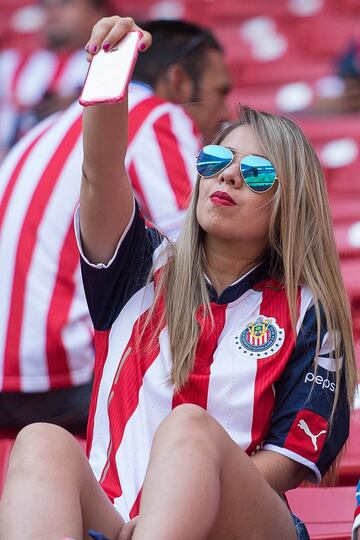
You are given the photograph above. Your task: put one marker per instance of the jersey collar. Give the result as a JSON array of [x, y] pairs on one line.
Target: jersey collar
[[240, 286]]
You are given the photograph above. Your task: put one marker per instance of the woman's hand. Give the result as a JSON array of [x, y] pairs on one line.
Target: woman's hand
[[108, 32], [128, 529]]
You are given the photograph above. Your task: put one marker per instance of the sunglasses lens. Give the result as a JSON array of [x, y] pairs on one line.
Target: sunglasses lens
[[212, 159], [259, 173]]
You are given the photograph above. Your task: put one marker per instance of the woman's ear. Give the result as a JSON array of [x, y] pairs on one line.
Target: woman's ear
[[176, 85]]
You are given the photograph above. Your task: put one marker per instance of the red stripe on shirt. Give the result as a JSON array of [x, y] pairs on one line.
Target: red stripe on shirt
[[15, 174], [139, 113], [101, 342], [25, 250], [137, 117], [16, 76], [137, 187], [274, 304], [196, 389], [124, 395], [173, 161], [135, 510], [62, 61], [60, 304]]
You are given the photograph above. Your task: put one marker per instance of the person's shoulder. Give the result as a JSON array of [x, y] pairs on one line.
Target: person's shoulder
[[52, 126], [43, 141], [143, 99]]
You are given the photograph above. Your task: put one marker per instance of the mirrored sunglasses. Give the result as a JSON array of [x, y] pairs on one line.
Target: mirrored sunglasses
[[258, 173]]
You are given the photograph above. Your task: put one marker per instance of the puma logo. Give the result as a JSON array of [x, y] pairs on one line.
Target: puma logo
[[303, 425]]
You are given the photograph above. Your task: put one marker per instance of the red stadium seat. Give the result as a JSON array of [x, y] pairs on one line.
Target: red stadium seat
[[5, 449], [344, 181], [281, 71], [353, 6], [350, 269], [322, 129], [349, 470], [327, 512], [347, 237], [230, 10], [325, 35], [336, 139], [262, 99], [345, 209]]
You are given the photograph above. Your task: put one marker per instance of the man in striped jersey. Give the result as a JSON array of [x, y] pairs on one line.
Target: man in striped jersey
[[46, 347], [48, 79]]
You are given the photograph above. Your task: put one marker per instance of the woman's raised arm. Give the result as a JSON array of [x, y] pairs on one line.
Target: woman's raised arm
[[106, 199]]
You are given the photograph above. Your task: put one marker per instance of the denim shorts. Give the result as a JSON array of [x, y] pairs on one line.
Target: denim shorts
[[301, 530]]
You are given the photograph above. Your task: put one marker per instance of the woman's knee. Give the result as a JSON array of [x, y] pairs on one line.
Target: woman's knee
[[38, 445], [187, 424], [187, 416]]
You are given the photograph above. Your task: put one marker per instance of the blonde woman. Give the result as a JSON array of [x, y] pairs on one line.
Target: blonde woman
[[225, 366]]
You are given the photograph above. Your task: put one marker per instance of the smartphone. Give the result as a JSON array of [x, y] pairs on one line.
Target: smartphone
[[110, 72]]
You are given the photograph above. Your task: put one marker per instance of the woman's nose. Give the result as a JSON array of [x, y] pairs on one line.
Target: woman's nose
[[231, 175]]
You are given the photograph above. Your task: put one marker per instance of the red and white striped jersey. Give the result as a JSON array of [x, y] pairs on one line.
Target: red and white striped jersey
[[161, 156], [46, 337], [251, 372], [26, 77]]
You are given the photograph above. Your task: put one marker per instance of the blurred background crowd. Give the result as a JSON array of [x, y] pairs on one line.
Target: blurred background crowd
[[300, 58]]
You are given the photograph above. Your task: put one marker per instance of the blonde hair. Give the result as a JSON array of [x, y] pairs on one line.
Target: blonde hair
[[301, 250]]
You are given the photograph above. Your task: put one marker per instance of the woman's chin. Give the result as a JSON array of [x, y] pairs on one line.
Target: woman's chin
[[217, 229]]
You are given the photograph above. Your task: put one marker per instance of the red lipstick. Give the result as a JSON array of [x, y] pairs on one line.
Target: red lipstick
[[222, 198]]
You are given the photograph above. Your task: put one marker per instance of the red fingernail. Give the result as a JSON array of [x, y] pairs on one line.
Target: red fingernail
[[93, 48], [142, 46], [106, 46]]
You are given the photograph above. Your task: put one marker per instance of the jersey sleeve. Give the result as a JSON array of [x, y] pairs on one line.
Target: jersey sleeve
[[109, 286], [300, 426]]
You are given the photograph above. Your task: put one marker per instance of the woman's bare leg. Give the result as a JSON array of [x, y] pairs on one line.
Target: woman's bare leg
[[201, 485], [50, 491]]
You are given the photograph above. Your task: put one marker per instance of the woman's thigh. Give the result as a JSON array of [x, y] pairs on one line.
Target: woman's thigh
[[98, 511], [249, 508]]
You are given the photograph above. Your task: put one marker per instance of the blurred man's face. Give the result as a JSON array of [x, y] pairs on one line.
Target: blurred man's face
[[209, 109], [68, 23]]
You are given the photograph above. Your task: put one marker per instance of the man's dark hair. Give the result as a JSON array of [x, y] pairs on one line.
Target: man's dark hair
[[174, 42], [105, 5]]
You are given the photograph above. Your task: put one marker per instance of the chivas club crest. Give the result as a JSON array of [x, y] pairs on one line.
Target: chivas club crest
[[261, 338]]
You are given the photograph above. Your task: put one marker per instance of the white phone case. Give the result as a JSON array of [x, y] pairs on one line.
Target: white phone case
[[109, 72]]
